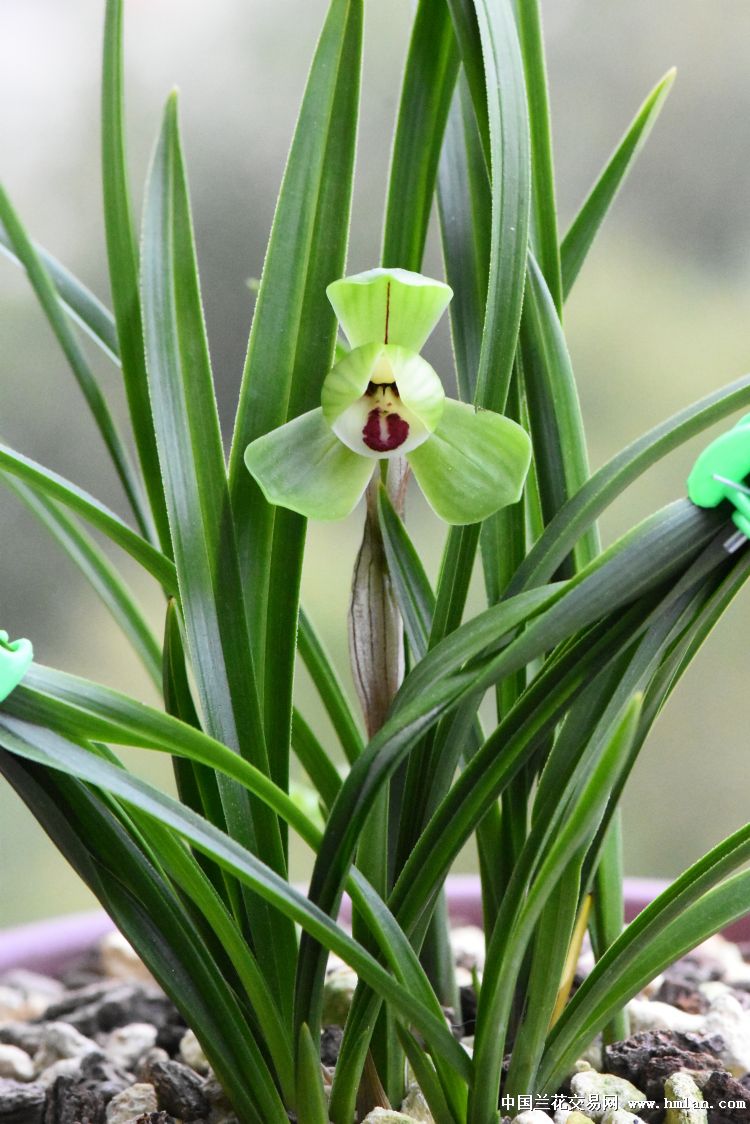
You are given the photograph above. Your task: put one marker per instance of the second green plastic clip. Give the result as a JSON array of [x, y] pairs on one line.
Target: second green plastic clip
[[719, 474]]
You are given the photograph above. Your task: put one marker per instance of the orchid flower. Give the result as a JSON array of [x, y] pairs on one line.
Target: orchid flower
[[383, 400]]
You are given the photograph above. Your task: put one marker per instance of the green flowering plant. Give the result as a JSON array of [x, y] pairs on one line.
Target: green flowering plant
[[577, 650]]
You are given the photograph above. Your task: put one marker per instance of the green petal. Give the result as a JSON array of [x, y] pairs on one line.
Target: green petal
[[303, 466], [419, 386], [347, 380], [475, 463], [388, 306]]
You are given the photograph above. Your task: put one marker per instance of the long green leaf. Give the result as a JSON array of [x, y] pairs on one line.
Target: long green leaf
[[99, 572], [191, 457], [197, 784], [578, 240], [195, 485], [291, 349], [510, 180], [572, 520], [560, 456], [429, 79], [328, 685], [122, 257], [314, 760], [49, 483], [543, 206], [47, 296], [465, 210], [79, 302]]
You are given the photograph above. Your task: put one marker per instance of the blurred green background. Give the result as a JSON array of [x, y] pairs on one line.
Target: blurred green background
[[658, 317]]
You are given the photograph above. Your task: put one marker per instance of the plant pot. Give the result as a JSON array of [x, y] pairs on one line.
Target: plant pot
[[51, 946]]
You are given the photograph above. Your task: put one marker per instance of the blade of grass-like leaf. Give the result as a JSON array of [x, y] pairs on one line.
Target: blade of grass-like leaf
[[543, 206], [427, 88], [456, 568], [510, 185], [135, 896], [49, 483], [290, 351], [426, 1079], [311, 1104], [197, 785], [328, 686], [314, 760], [47, 296], [608, 916], [466, 25], [464, 207], [122, 257], [465, 224], [572, 520], [99, 572], [416, 600], [549, 952], [79, 302], [182, 868], [508, 945], [191, 457], [578, 240], [195, 485], [554, 410], [35, 743], [488, 39]]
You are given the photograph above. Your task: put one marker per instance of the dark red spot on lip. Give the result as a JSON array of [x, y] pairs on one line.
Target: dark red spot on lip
[[384, 432]]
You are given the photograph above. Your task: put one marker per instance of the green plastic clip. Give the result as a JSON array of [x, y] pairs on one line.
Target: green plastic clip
[[719, 474], [15, 660]]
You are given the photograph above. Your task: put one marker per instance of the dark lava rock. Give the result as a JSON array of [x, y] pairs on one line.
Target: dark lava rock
[[21, 1102], [721, 1086], [468, 1011], [330, 1044], [682, 995], [649, 1058], [171, 1033], [83, 1098], [103, 1007], [179, 1090], [692, 970], [155, 1118]]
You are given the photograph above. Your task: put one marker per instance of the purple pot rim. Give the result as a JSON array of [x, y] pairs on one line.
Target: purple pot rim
[[51, 946]]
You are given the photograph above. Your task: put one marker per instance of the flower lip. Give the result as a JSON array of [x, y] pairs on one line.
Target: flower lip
[[384, 432]]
